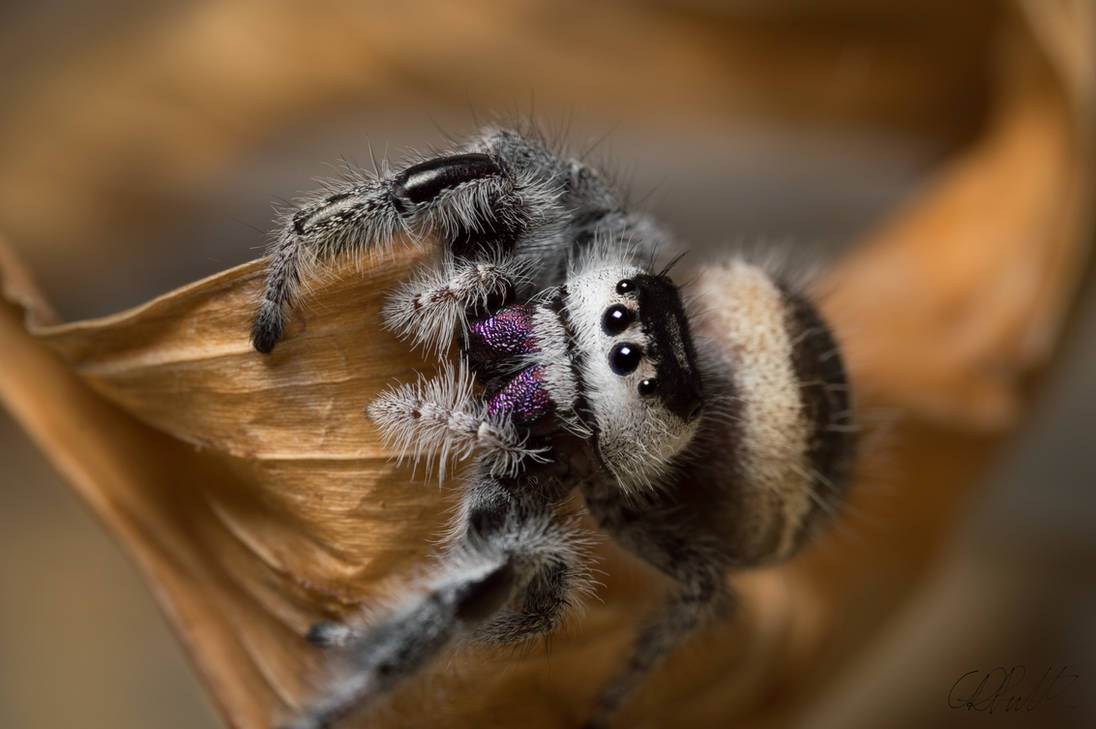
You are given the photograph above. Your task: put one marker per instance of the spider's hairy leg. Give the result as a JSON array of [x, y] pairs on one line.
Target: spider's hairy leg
[[397, 646], [602, 224], [490, 584], [677, 544], [441, 418], [694, 603], [433, 307], [552, 553], [479, 200]]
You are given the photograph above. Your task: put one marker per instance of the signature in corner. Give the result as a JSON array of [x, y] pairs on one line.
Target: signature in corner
[[1007, 689]]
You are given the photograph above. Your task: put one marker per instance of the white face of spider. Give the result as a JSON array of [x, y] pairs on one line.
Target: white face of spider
[[639, 371]]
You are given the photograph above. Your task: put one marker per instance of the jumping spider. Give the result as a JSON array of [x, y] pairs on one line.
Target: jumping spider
[[703, 441]]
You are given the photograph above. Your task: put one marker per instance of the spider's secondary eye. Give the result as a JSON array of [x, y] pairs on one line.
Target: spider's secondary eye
[[625, 286], [617, 318], [648, 386], [624, 358]]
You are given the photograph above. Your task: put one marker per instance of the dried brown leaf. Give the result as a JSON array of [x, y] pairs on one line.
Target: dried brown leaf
[[257, 498]]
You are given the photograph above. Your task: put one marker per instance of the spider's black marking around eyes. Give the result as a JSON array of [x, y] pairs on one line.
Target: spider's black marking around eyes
[[624, 358], [648, 386], [667, 328], [617, 318], [625, 286]]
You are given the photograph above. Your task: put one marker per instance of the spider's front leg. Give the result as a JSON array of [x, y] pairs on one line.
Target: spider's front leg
[[479, 200], [509, 576]]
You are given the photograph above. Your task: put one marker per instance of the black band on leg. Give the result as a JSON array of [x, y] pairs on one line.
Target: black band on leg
[[425, 181]]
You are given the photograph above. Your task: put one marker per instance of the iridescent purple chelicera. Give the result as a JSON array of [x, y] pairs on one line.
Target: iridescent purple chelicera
[[524, 399], [507, 334]]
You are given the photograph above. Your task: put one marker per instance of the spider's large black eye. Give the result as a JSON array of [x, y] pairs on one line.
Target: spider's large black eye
[[625, 286], [624, 358], [617, 318], [648, 386]]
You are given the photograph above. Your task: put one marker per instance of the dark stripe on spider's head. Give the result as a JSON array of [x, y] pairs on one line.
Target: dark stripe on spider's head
[[666, 326]]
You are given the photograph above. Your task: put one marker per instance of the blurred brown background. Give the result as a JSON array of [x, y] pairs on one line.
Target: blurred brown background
[[143, 145]]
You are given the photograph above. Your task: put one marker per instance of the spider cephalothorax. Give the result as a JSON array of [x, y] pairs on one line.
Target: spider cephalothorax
[[701, 442], [607, 357]]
